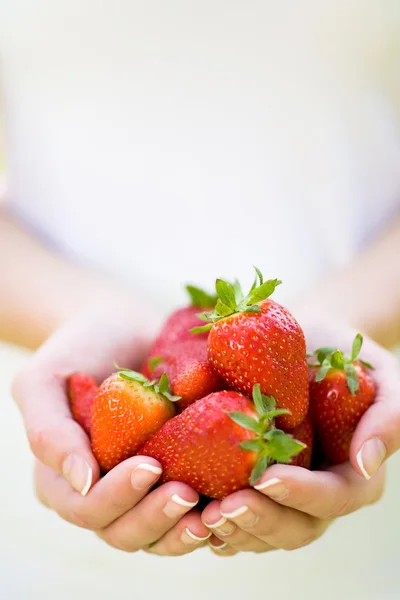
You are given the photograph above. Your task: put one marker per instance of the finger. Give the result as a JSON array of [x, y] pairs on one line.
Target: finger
[[111, 497], [220, 548], [321, 494], [152, 518], [278, 526], [54, 437], [378, 433], [229, 533], [185, 537]]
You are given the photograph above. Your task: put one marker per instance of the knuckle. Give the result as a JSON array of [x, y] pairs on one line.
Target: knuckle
[[79, 517], [112, 538], [342, 508], [291, 545], [38, 440], [267, 529]]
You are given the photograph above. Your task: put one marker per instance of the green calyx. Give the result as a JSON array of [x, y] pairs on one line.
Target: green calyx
[[153, 362], [161, 387], [231, 299], [330, 358], [272, 445], [199, 298]]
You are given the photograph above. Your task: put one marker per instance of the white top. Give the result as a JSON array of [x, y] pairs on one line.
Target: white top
[[174, 141]]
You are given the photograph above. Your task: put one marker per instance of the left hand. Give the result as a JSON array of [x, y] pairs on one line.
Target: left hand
[[291, 506]]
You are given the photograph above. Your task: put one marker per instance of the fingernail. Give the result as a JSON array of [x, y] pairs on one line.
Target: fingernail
[[144, 476], [244, 516], [236, 513], [219, 547], [78, 473], [177, 506], [274, 488], [222, 527], [371, 456], [190, 539]]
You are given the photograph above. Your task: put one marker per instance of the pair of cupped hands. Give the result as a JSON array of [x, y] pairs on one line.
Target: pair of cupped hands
[[288, 508]]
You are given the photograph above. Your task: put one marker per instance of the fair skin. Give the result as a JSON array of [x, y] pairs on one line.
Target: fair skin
[[289, 513]]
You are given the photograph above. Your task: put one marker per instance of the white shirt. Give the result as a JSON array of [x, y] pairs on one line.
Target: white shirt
[[175, 141]]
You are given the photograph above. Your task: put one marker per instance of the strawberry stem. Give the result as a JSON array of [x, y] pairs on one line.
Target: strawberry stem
[[334, 359], [271, 444], [231, 299], [161, 387]]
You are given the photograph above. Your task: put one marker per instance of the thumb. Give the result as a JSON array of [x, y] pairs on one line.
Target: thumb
[[54, 437]]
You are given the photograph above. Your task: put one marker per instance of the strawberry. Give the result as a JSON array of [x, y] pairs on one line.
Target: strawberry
[[304, 433], [341, 390], [189, 372], [176, 328], [81, 390], [127, 410], [254, 339], [221, 443]]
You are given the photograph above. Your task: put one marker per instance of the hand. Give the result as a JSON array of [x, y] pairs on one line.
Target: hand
[[291, 507], [118, 507]]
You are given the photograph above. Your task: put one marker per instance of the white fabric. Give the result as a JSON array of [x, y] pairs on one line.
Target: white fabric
[[174, 141]]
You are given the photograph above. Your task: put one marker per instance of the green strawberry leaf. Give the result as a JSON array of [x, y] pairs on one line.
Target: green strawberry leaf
[[132, 376], [251, 445], [260, 276], [245, 421], [282, 446], [337, 360], [263, 404], [252, 309], [226, 294], [163, 384], [263, 291], [162, 387], [276, 413], [202, 329], [223, 310], [238, 292], [153, 362], [322, 372], [322, 353], [357, 344], [199, 298], [366, 365], [352, 379], [259, 468]]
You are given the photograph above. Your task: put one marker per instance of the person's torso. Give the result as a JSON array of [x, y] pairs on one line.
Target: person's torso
[[176, 141]]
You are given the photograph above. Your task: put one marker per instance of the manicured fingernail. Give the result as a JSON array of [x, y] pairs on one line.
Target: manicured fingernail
[[177, 506], [78, 473], [371, 456], [226, 528], [144, 476], [243, 516], [235, 513], [190, 539], [219, 547], [274, 488]]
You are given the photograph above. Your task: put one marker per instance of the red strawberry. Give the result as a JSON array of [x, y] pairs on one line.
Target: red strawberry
[[253, 339], [221, 443], [127, 411], [189, 372], [81, 390], [304, 433], [178, 325], [341, 390]]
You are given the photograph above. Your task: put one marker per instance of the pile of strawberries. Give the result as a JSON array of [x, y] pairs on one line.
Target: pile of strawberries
[[217, 402]]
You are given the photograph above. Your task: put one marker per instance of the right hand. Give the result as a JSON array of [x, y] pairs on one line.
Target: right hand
[[119, 506]]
